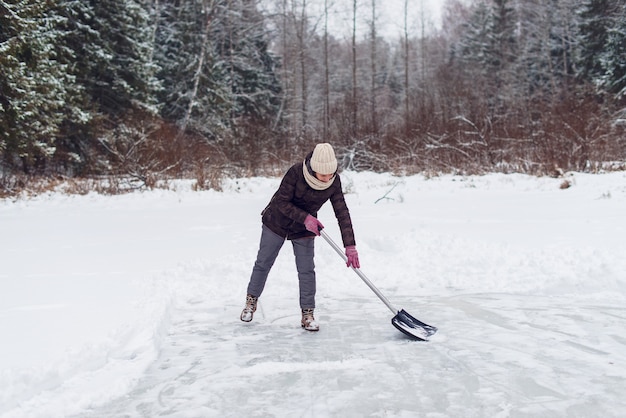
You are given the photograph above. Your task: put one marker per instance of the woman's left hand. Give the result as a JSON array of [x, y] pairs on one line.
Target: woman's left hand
[[353, 257]]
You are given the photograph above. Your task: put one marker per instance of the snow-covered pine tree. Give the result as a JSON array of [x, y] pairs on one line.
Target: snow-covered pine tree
[[244, 48], [35, 83], [601, 47], [475, 48], [546, 47], [489, 43], [613, 56], [595, 21], [115, 55], [504, 37], [193, 93], [215, 64]]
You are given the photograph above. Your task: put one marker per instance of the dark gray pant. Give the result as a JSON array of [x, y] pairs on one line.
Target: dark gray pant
[[269, 248]]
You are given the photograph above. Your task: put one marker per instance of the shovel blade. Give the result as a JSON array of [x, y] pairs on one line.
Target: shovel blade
[[412, 327]]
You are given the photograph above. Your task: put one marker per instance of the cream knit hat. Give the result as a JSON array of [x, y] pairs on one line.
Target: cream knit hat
[[323, 160]]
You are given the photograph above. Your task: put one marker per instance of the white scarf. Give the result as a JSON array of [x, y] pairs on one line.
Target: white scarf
[[313, 181]]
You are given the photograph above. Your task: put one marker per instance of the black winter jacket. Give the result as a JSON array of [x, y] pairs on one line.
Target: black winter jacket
[[295, 199]]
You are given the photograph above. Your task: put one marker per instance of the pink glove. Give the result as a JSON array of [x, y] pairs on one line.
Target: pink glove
[[353, 257], [312, 224]]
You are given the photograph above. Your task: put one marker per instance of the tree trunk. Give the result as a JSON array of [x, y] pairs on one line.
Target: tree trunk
[[302, 28], [201, 57], [374, 123], [326, 122], [406, 68], [354, 84]]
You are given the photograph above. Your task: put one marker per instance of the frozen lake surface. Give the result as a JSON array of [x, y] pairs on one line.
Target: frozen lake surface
[[129, 305]]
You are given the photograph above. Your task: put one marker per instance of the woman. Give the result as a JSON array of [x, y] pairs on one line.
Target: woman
[[292, 214]]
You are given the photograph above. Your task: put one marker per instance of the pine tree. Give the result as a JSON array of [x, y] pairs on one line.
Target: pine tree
[[613, 57], [114, 48], [192, 95], [244, 50], [216, 65], [34, 83], [504, 37], [546, 53], [504, 50], [475, 48], [487, 51], [593, 35], [74, 141]]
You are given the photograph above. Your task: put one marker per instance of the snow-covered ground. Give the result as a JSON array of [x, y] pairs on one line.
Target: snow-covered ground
[[129, 305]]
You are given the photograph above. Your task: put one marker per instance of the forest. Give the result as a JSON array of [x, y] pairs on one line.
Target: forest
[[141, 91]]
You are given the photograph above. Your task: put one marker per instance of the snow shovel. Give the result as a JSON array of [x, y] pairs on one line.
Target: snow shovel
[[404, 322]]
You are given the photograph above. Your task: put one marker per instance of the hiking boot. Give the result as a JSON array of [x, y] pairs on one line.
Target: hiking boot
[[308, 321], [248, 311]]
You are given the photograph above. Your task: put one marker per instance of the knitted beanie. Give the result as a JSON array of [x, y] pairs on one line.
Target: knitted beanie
[[323, 160]]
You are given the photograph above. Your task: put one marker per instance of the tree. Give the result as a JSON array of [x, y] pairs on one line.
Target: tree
[[34, 83], [353, 103], [602, 40], [373, 57], [112, 53], [593, 33], [613, 58], [251, 67], [405, 61], [215, 65], [326, 116]]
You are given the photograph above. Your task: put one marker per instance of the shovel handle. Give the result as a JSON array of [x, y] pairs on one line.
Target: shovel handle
[[367, 281]]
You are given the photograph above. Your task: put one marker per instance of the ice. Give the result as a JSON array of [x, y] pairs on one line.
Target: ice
[[129, 305]]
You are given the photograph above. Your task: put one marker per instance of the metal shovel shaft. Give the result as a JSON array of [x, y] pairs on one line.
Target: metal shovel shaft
[[367, 281]]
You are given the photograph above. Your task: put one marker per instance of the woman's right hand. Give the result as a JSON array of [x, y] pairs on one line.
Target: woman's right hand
[[312, 224]]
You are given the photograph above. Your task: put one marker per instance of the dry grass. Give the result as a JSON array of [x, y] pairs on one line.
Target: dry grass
[[145, 153]]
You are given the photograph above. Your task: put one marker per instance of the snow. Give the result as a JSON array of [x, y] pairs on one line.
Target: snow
[[129, 305]]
